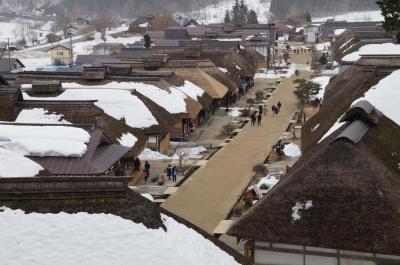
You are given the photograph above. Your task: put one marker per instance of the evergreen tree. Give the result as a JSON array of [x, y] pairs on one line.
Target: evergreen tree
[[243, 12], [252, 17], [227, 18], [307, 17], [323, 60], [236, 13], [391, 13]]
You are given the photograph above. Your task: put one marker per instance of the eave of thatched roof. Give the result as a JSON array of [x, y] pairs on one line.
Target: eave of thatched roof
[[353, 188], [339, 95], [94, 195]]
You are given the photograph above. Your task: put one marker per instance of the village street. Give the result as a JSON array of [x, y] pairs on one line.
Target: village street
[[208, 196]]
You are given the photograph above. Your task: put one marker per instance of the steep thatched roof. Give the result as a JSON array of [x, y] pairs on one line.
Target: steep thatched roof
[[108, 195], [350, 181], [339, 95]]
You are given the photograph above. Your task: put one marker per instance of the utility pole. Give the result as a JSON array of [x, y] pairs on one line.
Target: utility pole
[[9, 55]]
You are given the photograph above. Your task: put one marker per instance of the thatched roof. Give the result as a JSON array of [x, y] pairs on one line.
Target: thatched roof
[[339, 95], [108, 195], [350, 181], [85, 112]]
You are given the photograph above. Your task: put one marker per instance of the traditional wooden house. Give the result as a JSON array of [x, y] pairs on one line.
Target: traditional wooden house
[[339, 203], [10, 65], [342, 91], [76, 206], [107, 48], [61, 54]]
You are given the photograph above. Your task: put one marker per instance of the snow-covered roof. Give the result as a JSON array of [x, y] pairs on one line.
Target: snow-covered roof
[[118, 103], [373, 49], [44, 141], [41, 116], [191, 90], [84, 238], [15, 165]]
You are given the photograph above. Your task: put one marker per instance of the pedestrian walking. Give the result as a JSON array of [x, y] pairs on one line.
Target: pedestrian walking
[[260, 109], [253, 119], [145, 175], [174, 173], [279, 106], [147, 168], [136, 164], [259, 118], [169, 172], [274, 110], [265, 110]]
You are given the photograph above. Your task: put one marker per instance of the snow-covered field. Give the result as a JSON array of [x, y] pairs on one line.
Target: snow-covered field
[[44, 140], [362, 16], [216, 13], [101, 239]]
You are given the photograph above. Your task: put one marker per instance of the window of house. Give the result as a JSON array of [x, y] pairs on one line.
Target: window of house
[[60, 53]]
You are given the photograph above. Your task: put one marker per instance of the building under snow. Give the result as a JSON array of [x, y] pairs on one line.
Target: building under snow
[[338, 205]]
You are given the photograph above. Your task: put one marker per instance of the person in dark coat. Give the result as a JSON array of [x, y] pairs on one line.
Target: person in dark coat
[[136, 164], [147, 168], [174, 173], [260, 109], [259, 118], [274, 110], [169, 172], [253, 119], [279, 106]]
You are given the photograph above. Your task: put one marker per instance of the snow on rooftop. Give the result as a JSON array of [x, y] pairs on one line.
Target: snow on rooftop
[[192, 90], [292, 150], [347, 42], [101, 239], [117, 103], [41, 116], [127, 140], [44, 140], [323, 81], [385, 96], [339, 31], [373, 49], [331, 130], [223, 69], [14, 165], [323, 46], [300, 206]]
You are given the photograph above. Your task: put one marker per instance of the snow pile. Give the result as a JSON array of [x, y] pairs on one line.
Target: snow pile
[[215, 13], [191, 90], [296, 214], [235, 111], [44, 140], [120, 104], [373, 49], [223, 69], [358, 16], [41, 116], [385, 97], [14, 165], [292, 150], [151, 155], [101, 239], [127, 140], [270, 181], [323, 81], [271, 74], [189, 152]]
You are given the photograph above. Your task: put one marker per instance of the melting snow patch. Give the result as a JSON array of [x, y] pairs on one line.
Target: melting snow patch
[[270, 181], [191, 90], [148, 154], [148, 196], [292, 150], [315, 128], [296, 214], [223, 69]]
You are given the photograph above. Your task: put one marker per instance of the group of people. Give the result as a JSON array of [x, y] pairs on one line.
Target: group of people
[[257, 115], [297, 73], [276, 109], [172, 171]]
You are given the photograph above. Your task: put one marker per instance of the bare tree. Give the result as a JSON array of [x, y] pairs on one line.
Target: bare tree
[[182, 154], [103, 22]]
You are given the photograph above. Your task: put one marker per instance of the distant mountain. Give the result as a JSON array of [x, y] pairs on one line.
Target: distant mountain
[[319, 8]]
